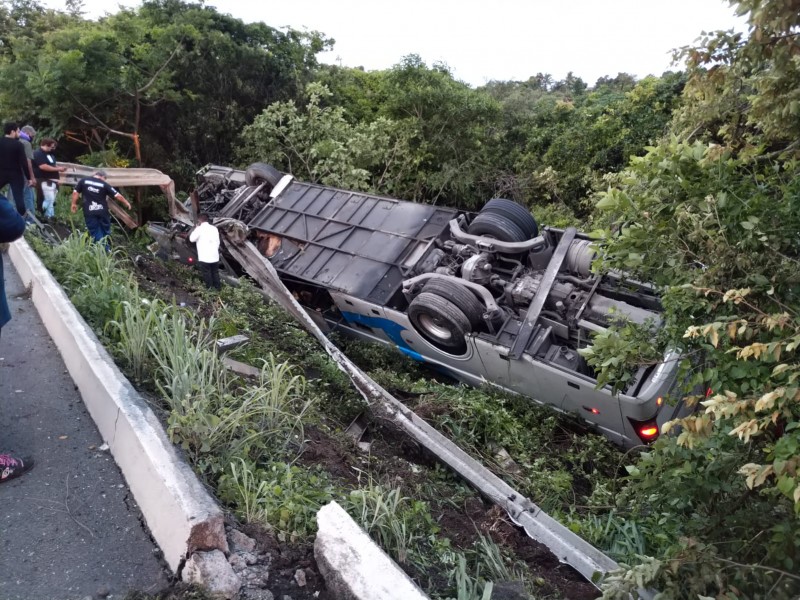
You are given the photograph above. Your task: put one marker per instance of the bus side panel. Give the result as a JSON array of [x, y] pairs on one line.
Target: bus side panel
[[484, 362]]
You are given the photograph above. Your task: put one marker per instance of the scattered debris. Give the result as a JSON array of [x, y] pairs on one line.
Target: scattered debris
[[229, 343], [356, 431], [357, 428], [212, 570], [300, 577], [256, 594], [240, 541], [240, 367], [251, 566], [504, 459]]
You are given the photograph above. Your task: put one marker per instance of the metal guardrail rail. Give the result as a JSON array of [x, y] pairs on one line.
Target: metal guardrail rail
[[565, 545]]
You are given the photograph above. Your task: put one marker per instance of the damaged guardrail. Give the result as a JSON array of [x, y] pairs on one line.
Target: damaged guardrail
[[566, 545]]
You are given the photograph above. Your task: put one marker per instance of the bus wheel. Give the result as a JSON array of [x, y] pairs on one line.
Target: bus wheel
[[440, 321], [461, 297], [514, 212], [259, 173]]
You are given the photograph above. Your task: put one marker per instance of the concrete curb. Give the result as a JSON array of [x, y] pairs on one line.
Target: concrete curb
[[181, 514], [354, 567]]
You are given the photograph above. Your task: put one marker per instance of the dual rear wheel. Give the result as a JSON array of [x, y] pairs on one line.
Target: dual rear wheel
[[504, 220], [446, 312]]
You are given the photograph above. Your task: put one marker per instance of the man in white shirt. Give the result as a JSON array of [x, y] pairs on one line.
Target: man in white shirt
[[206, 236]]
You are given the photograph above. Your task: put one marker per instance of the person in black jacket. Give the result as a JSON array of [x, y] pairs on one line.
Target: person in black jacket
[[12, 225], [14, 166]]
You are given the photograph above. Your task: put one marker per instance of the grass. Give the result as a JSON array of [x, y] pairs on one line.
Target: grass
[[134, 330], [470, 587], [380, 512], [279, 496], [555, 464], [186, 365]]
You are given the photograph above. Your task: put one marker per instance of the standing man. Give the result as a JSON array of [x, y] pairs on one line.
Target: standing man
[[45, 170], [26, 136], [12, 226], [14, 167], [206, 236], [96, 193]]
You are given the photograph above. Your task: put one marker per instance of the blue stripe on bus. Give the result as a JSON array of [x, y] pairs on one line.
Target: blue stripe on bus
[[389, 327]]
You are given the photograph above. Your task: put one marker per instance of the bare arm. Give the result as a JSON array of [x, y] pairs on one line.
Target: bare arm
[[75, 196], [51, 169], [121, 199]]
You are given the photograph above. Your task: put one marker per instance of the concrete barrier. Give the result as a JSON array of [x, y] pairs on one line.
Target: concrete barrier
[[353, 566], [181, 514]]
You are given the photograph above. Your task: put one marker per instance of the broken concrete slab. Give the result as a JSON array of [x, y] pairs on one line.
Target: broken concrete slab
[[353, 566], [212, 571], [240, 367]]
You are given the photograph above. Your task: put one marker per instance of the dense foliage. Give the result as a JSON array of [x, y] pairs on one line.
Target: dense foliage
[[711, 214], [174, 84], [178, 79]]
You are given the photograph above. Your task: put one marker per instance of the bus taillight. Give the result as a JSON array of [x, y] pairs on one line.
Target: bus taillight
[[646, 430]]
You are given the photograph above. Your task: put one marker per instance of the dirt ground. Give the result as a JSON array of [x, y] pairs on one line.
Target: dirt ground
[[287, 559]]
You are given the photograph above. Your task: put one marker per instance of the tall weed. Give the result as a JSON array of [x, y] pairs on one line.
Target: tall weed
[[468, 586], [133, 331], [97, 285], [79, 258], [254, 422], [494, 564], [186, 364], [473, 573], [270, 414], [380, 512]]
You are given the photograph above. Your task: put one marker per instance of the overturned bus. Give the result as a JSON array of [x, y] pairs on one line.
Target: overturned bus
[[485, 297]]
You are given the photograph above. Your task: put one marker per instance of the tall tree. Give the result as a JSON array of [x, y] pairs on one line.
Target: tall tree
[[179, 76], [452, 124], [317, 143]]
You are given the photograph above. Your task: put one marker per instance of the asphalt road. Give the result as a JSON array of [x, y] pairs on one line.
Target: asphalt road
[[70, 527]]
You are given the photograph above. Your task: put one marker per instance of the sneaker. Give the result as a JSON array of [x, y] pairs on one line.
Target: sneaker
[[13, 467]]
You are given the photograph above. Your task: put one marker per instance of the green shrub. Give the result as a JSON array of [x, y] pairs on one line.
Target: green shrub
[[279, 496]]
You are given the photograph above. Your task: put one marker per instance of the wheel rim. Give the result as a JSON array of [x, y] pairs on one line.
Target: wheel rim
[[435, 327]]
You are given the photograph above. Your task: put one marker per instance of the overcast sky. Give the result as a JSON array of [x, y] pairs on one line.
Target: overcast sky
[[484, 40]]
